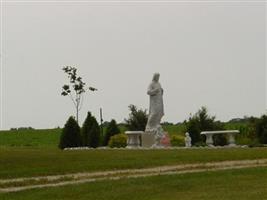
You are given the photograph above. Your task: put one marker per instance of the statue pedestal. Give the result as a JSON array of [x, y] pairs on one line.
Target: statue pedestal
[[148, 140]]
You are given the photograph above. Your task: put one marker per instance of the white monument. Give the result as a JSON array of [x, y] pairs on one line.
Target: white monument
[[156, 112], [187, 140]]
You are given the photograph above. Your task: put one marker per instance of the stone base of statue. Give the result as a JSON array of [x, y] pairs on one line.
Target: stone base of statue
[[152, 137], [148, 140]]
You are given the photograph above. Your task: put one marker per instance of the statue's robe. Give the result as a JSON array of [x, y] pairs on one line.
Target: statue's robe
[[156, 108]]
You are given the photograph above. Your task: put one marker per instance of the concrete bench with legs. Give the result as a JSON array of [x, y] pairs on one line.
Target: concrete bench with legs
[[231, 136], [133, 138]]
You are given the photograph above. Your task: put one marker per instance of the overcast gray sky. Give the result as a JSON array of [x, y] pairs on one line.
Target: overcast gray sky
[[208, 54]]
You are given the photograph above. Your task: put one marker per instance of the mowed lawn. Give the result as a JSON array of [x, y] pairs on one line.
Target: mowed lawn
[[34, 153], [27, 162], [245, 184]]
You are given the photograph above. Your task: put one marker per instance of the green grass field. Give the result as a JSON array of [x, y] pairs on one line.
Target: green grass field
[[30, 138], [175, 130], [47, 137], [50, 137], [34, 153], [27, 162], [245, 184], [31, 153]]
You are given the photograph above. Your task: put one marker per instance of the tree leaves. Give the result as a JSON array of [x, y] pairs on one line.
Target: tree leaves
[[137, 119], [92, 89], [77, 87]]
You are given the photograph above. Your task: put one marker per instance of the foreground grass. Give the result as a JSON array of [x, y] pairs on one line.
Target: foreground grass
[[28, 162], [245, 184]]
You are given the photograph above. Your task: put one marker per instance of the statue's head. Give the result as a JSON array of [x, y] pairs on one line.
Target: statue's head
[[156, 77]]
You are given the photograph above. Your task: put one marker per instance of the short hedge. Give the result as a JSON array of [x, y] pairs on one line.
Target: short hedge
[[119, 141]]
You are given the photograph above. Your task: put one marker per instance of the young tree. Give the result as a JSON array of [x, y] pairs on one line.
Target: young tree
[[137, 119], [112, 129], [76, 89], [70, 136]]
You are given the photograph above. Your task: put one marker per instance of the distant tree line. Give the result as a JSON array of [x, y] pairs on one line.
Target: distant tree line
[[22, 128]]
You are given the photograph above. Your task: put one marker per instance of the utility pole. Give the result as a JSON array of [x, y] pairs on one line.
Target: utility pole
[[101, 124]]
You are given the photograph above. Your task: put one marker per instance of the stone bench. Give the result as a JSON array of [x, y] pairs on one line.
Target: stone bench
[[133, 138], [231, 136]]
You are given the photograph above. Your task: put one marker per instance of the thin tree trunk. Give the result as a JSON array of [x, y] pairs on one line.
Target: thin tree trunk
[[77, 114]]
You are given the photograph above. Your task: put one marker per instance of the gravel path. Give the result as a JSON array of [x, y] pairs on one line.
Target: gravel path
[[19, 184]]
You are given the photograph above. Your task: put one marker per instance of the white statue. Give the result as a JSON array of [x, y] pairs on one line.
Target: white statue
[[156, 109], [187, 140]]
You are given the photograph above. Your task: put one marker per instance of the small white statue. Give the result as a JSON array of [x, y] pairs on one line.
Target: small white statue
[[187, 140]]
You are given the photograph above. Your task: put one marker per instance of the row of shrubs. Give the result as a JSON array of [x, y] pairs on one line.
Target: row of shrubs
[[90, 134], [254, 133]]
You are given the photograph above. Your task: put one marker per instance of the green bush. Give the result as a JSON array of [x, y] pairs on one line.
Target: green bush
[[244, 140], [261, 129], [220, 140], [86, 128], [255, 143], [91, 132], [201, 121], [94, 134], [177, 141], [112, 129], [137, 119], [119, 140], [194, 129], [70, 136]]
